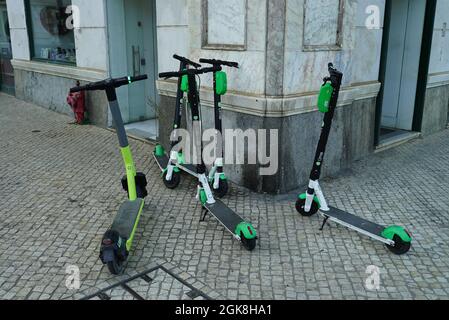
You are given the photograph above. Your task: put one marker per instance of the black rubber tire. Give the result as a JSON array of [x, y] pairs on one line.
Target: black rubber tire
[[223, 189], [141, 194], [175, 180], [116, 267], [400, 247], [249, 244], [300, 204]]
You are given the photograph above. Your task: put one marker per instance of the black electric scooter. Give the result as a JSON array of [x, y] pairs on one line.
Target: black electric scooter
[[396, 238], [217, 177], [117, 241], [240, 229], [172, 165]]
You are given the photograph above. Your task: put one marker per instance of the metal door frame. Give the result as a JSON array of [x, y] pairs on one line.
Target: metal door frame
[[426, 46]]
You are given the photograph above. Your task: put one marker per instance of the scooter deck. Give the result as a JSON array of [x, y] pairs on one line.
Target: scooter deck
[[227, 217], [126, 218], [356, 223], [162, 162]]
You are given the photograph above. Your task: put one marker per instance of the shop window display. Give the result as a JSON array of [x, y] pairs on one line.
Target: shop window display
[[51, 35]]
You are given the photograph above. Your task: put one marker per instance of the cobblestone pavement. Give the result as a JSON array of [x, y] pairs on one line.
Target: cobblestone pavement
[[60, 189]]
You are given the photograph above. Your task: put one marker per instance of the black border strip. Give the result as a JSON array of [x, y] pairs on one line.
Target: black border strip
[[424, 62], [124, 285]]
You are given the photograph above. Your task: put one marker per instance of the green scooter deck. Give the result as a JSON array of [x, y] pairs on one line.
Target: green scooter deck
[[356, 223], [228, 218], [162, 162], [126, 218]]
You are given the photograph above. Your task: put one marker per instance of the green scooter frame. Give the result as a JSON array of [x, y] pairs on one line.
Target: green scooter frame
[[118, 240], [397, 239], [241, 230]]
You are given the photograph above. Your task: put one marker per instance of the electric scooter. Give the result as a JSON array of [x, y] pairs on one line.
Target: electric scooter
[[172, 165], [241, 230], [118, 240], [217, 177], [397, 239]]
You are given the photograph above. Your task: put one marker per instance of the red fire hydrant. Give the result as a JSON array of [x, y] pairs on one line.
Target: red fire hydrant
[[77, 102]]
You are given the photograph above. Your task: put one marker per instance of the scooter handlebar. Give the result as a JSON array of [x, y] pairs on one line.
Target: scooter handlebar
[[333, 71], [215, 62], [103, 84], [177, 74], [187, 61]]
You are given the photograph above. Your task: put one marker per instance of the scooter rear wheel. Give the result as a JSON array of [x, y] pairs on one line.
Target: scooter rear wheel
[[248, 244], [116, 267], [400, 247], [301, 204], [174, 182]]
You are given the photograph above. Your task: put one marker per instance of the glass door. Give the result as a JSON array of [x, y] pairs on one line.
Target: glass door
[[6, 69]]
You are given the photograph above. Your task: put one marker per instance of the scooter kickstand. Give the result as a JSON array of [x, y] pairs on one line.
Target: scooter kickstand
[[204, 216], [324, 223]]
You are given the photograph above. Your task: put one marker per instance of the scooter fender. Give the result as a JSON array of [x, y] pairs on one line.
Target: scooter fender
[[112, 246], [107, 255], [304, 197], [247, 230], [392, 231]]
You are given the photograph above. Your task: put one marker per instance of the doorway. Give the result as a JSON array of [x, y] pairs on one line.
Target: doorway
[[7, 84], [400, 68], [133, 51]]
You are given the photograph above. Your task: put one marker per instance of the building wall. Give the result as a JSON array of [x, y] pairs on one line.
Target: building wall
[[277, 83], [47, 84], [435, 117], [283, 47]]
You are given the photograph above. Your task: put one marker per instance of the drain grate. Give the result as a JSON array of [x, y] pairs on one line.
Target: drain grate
[[156, 283]]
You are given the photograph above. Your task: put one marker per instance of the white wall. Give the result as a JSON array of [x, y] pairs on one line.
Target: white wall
[[90, 38], [250, 78], [19, 34], [439, 59], [172, 32], [359, 57]]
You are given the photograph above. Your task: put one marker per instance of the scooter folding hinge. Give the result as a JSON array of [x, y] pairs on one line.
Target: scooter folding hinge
[[174, 156], [204, 215], [217, 180]]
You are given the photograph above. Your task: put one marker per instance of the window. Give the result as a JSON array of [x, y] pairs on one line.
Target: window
[[224, 24], [323, 21], [50, 37]]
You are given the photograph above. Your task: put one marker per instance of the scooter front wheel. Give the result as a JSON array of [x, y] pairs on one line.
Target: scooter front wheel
[[249, 244], [400, 246], [300, 207], [174, 182], [116, 267], [223, 189]]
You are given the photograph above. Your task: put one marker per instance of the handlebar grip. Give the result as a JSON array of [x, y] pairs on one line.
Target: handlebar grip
[[99, 85], [212, 69], [187, 61], [77, 89], [117, 83], [220, 62], [167, 75], [139, 78]]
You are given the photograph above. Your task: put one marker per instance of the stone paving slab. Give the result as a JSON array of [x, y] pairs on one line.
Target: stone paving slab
[[60, 189]]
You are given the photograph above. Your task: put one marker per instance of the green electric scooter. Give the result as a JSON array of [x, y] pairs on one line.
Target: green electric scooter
[[241, 230], [397, 239], [117, 241], [172, 164]]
